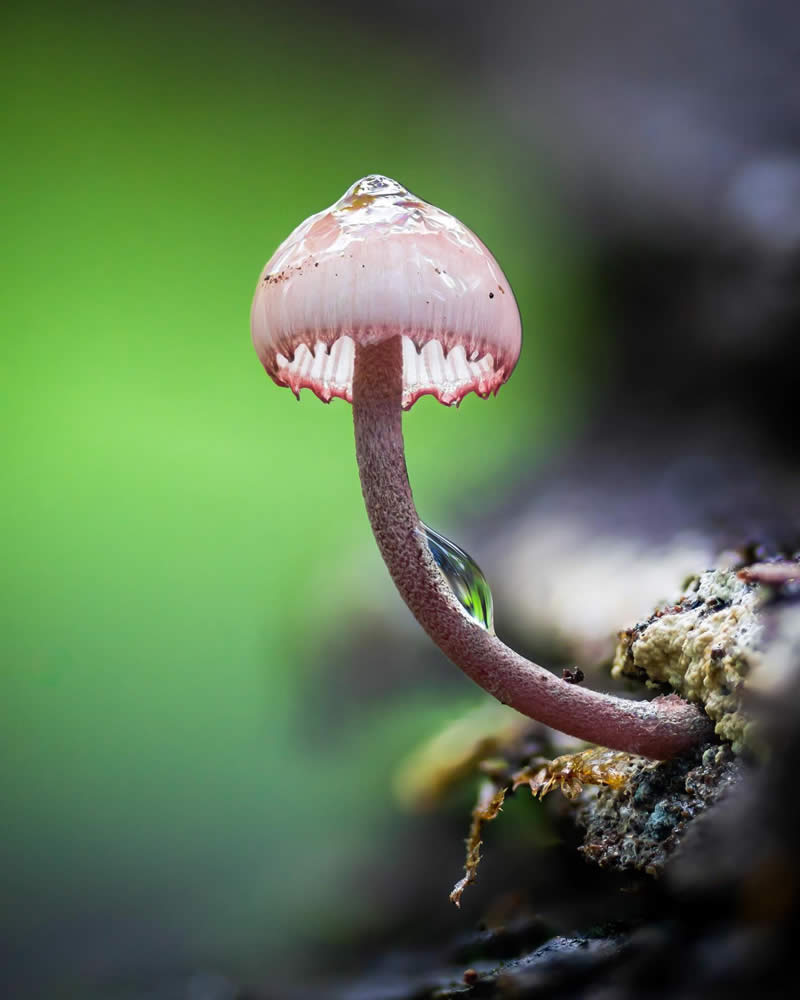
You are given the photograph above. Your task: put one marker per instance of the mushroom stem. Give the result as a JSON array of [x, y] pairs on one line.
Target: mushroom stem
[[657, 729]]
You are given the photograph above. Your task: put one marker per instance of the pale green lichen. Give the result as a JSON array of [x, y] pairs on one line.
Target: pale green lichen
[[703, 647]]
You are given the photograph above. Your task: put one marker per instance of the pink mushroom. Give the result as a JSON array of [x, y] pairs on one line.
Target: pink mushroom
[[377, 300]]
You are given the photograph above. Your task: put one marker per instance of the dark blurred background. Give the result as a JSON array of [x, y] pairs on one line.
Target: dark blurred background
[[207, 682]]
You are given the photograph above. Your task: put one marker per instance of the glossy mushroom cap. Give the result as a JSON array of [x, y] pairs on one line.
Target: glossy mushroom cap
[[378, 263]]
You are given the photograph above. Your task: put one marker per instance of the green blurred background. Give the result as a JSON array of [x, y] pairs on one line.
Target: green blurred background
[[181, 539]]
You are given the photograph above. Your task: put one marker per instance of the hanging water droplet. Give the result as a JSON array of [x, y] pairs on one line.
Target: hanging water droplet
[[463, 575]]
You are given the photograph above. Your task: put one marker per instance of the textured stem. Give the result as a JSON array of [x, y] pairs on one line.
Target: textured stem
[[657, 729]]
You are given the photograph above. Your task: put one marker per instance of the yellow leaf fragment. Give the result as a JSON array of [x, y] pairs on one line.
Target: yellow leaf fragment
[[595, 766], [454, 752], [489, 804]]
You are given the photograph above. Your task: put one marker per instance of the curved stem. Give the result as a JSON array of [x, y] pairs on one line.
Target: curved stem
[[657, 729]]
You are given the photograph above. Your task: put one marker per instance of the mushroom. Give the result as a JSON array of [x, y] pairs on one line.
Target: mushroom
[[378, 300]]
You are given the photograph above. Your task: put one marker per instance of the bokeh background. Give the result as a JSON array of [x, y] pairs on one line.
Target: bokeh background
[[181, 539], [187, 571]]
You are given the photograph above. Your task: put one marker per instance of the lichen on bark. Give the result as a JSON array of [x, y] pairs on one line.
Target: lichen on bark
[[640, 824], [704, 647]]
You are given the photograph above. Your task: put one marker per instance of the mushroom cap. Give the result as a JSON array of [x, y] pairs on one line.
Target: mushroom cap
[[378, 263]]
